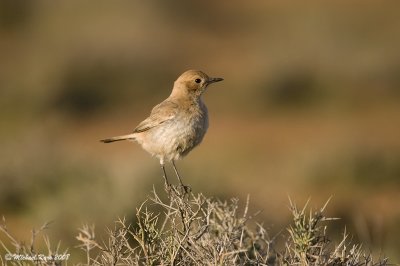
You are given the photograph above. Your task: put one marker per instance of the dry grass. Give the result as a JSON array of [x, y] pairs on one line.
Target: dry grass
[[198, 230], [192, 229], [17, 252]]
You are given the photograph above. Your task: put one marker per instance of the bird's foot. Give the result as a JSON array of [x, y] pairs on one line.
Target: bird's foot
[[186, 189], [180, 190], [168, 188]]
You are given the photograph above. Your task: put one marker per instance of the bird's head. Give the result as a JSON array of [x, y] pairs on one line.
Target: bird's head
[[193, 82]]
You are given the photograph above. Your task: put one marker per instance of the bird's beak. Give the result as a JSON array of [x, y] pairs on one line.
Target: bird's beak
[[212, 80]]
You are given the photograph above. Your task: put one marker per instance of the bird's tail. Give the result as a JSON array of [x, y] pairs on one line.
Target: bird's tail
[[118, 138]]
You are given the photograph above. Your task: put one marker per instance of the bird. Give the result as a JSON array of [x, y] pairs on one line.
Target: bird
[[176, 125]]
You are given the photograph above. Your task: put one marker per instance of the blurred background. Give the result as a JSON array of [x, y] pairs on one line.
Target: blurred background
[[310, 108]]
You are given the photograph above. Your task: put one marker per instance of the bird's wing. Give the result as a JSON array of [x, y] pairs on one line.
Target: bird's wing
[[161, 113]]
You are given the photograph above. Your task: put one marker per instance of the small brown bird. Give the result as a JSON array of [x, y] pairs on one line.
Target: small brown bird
[[176, 125]]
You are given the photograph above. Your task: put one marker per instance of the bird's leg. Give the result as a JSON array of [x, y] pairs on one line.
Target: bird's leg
[[164, 175], [186, 188], [176, 172]]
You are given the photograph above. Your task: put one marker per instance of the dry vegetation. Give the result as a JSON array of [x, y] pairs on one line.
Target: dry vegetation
[[192, 229]]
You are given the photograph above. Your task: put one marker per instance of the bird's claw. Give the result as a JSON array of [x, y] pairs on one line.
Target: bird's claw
[[186, 189]]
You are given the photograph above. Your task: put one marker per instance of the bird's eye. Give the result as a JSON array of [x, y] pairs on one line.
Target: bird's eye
[[197, 80]]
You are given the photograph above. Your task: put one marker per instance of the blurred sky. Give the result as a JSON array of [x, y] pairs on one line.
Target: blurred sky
[[310, 107]]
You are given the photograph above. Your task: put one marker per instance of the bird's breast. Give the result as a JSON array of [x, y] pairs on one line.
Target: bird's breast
[[192, 126], [177, 137]]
